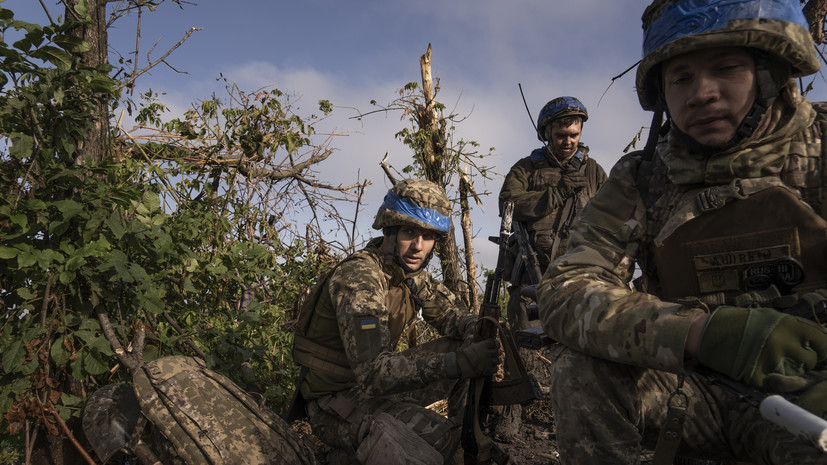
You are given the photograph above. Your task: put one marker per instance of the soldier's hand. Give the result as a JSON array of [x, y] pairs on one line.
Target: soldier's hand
[[478, 359], [750, 344], [814, 400], [573, 180]]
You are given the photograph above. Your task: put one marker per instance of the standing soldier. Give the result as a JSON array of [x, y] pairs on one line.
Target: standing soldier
[[548, 188], [363, 399], [724, 216]]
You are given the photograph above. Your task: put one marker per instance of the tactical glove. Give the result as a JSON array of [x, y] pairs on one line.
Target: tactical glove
[[814, 400], [750, 344], [573, 180], [478, 359]]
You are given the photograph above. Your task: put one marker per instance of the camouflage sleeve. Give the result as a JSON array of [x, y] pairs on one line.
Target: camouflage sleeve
[[357, 290], [443, 310], [585, 299], [529, 205]]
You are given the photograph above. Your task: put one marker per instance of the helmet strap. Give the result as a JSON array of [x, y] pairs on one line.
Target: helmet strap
[[389, 247], [767, 91]]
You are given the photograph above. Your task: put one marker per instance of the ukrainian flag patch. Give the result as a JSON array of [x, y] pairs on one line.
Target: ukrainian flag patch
[[368, 324]]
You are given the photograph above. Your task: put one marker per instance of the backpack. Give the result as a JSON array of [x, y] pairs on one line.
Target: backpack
[[211, 420]]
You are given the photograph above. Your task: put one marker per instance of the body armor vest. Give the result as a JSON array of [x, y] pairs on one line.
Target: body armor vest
[[401, 302], [768, 239], [546, 175]]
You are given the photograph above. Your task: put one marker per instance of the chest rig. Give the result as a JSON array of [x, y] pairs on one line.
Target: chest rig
[[546, 174], [749, 239]]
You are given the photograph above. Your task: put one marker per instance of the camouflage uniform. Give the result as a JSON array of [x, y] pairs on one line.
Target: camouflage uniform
[[361, 312], [624, 349], [539, 187]]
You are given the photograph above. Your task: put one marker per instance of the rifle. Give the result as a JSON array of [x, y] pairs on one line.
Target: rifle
[[528, 256], [801, 423], [517, 388]]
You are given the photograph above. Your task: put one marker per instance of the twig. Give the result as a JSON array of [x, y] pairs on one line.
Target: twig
[[160, 60], [69, 434], [387, 170], [192, 345]]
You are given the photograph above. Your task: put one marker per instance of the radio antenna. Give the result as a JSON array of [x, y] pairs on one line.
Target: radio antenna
[[546, 149], [528, 110]]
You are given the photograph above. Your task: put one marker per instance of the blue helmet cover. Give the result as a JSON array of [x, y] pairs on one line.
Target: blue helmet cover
[[563, 104], [428, 216], [690, 17]]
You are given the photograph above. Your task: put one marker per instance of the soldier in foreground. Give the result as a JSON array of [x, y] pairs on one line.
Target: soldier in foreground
[[549, 187], [724, 216], [362, 398]]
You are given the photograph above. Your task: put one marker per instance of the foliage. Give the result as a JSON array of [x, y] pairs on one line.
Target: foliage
[[187, 224], [461, 154]]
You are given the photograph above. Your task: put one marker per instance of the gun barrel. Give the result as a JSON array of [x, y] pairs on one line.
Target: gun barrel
[[801, 423]]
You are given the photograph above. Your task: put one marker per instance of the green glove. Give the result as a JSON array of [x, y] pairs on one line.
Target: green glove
[[748, 344], [478, 359], [814, 400]]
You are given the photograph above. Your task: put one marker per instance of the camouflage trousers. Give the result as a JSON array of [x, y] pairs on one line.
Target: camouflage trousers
[[606, 411], [342, 420]]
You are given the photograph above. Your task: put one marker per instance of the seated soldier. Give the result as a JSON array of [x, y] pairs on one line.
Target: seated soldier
[[362, 398]]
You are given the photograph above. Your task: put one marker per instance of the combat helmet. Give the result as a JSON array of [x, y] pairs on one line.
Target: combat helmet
[[671, 28], [559, 108], [415, 202]]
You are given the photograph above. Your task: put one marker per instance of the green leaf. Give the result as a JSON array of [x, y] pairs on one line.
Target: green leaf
[[22, 146], [55, 56], [72, 44], [59, 354], [82, 8], [69, 400], [13, 357], [115, 225], [26, 293], [93, 365], [8, 253]]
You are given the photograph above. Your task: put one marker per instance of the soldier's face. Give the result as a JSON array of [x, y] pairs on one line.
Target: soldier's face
[[709, 92], [564, 139], [414, 245]]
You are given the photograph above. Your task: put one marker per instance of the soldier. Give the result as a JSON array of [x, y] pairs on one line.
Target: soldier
[[724, 216], [548, 188], [362, 398]]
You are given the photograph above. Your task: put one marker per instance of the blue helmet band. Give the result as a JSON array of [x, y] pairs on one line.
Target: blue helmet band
[[402, 205], [690, 17]]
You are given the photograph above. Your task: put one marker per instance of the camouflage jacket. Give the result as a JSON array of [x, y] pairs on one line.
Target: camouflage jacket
[[586, 301], [351, 316]]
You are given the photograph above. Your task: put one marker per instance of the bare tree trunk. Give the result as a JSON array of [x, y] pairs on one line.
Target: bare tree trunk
[[433, 156], [470, 266], [94, 144]]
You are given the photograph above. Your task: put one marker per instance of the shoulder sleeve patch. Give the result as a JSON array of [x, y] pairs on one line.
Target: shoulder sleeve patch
[[367, 337]]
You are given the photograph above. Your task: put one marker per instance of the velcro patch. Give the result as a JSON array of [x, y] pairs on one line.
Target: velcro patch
[[367, 324]]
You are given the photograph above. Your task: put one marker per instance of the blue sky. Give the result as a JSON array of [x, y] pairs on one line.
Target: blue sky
[[351, 52]]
